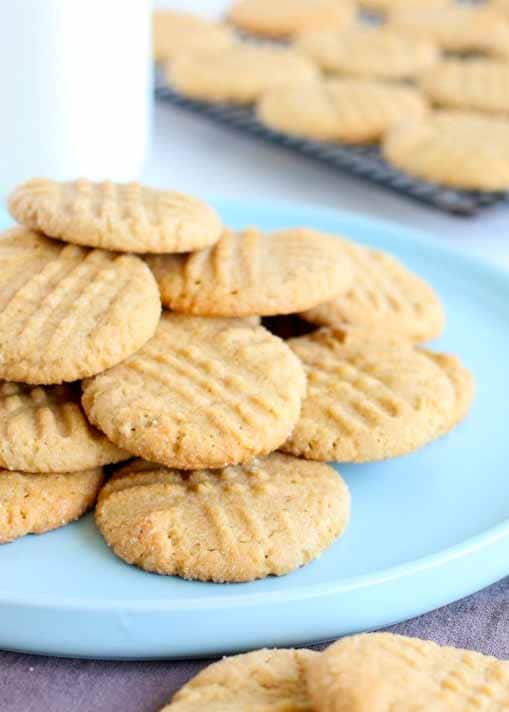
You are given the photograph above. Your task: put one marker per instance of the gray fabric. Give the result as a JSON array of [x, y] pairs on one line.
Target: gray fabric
[[34, 684]]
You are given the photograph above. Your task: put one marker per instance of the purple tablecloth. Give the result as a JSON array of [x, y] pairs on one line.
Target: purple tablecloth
[[35, 684]]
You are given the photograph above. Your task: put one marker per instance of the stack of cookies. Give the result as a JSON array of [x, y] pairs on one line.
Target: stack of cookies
[[231, 425], [375, 672], [427, 80]]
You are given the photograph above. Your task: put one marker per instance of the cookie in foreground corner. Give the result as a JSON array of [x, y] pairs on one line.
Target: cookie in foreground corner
[[262, 681], [376, 672]]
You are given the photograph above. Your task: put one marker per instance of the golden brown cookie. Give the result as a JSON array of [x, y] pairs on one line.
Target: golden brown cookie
[[288, 18], [174, 32], [462, 381], [67, 312], [379, 672], [369, 52], [44, 429], [261, 681], [501, 5], [346, 110], [202, 393], [127, 217], [238, 74], [479, 84], [242, 523], [457, 149], [456, 27], [371, 396], [385, 7], [383, 292], [250, 272], [36, 503]]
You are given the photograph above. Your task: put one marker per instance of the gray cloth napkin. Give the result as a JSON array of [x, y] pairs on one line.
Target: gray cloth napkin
[[36, 684]]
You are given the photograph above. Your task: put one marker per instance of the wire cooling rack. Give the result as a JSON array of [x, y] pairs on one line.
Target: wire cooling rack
[[362, 161]]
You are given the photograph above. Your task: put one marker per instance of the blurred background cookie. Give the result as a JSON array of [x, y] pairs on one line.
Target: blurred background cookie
[[238, 74], [175, 32], [348, 110], [288, 18], [458, 149], [477, 85], [455, 27], [369, 52]]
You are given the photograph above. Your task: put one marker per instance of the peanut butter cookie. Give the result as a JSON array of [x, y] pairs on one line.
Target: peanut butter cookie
[[201, 393], [265, 518]]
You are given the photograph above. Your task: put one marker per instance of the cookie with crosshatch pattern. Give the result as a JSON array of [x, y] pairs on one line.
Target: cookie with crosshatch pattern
[[127, 217], [377, 672], [175, 32], [387, 6], [371, 396], [267, 517], [238, 74], [455, 26], [201, 393], [462, 380], [68, 312], [36, 503], [453, 148], [44, 429], [261, 681], [288, 18], [383, 291], [369, 52], [254, 273], [348, 110], [476, 85]]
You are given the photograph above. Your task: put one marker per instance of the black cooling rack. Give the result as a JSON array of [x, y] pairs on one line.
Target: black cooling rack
[[362, 161]]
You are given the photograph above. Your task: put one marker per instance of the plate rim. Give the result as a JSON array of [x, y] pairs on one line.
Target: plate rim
[[497, 277]]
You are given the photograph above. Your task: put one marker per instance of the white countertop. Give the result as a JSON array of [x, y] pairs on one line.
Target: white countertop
[[193, 154]]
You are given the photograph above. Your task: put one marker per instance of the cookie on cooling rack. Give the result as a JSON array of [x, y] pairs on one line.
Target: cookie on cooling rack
[[174, 32], [369, 52], [455, 27], [288, 18], [477, 85], [346, 110], [387, 6], [238, 74], [457, 149]]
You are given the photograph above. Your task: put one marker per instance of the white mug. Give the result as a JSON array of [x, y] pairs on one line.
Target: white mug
[[75, 89]]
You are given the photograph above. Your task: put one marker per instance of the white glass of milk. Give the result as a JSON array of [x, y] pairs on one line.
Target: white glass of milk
[[75, 89]]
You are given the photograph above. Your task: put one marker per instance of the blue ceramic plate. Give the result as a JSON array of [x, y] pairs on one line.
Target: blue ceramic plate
[[426, 529]]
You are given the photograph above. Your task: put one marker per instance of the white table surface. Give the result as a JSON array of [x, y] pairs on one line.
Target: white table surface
[[192, 154]]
